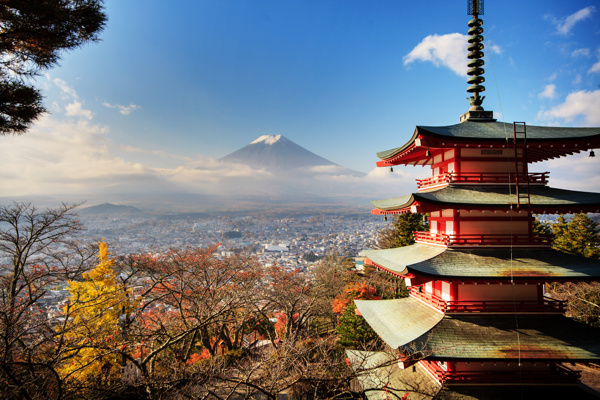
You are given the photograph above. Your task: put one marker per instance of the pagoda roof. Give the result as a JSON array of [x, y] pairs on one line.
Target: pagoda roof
[[399, 321], [379, 375], [485, 263], [507, 337], [543, 199], [545, 142], [476, 338]]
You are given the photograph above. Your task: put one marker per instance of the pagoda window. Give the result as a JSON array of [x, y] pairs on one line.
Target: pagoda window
[[428, 288], [445, 291]]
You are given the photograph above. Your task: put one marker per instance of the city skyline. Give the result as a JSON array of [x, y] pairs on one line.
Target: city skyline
[[171, 88]]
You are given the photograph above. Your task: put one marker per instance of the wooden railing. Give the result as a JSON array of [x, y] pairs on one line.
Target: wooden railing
[[487, 178], [419, 293], [490, 239], [559, 374], [547, 305]]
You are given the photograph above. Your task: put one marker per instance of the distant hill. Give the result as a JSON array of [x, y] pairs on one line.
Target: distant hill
[[278, 154], [109, 209]]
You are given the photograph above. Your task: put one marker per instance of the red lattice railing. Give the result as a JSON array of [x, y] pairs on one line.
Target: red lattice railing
[[487, 178], [473, 239]]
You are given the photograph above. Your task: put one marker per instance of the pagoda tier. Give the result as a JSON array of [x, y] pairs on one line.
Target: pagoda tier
[[424, 263], [481, 140], [461, 349], [542, 200]]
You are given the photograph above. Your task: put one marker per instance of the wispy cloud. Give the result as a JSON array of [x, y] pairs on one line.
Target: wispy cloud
[[67, 92], [565, 25], [596, 66], [549, 92], [125, 110], [580, 52], [581, 104]]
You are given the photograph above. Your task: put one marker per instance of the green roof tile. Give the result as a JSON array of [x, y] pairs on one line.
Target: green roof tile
[[497, 197], [495, 131], [508, 338], [398, 321], [485, 263]]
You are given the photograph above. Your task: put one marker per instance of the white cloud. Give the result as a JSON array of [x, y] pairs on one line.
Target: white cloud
[[494, 48], [580, 52], [125, 110], [448, 50], [564, 25], [596, 67], [581, 104], [563, 169], [577, 79], [67, 91], [75, 109], [549, 92]]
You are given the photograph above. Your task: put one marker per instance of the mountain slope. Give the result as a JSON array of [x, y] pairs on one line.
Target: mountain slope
[[276, 153]]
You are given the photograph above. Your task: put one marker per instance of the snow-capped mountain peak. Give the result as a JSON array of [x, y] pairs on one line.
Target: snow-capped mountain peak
[[267, 139]]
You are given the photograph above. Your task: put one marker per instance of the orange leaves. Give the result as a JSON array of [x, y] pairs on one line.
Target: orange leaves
[[353, 291]]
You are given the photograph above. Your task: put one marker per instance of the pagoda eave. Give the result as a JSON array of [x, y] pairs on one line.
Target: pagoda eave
[[543, 143], [541, 200], [476, 265]]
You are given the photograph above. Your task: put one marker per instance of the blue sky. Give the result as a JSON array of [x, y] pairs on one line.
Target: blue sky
[[174, 85]]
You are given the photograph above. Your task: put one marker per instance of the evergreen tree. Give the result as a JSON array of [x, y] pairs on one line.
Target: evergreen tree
[[354, 331], [32, 37], [541, 227], [399, 232], [577, 235]]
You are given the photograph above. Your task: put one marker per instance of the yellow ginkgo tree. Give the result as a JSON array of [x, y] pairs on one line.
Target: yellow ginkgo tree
[[92, 321]]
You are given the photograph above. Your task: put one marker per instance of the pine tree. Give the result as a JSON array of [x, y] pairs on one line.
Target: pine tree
[[399, 232], [354, 331], [577, 235], [33, 35]]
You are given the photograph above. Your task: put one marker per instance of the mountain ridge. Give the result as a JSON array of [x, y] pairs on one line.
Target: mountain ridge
[[278, 154]]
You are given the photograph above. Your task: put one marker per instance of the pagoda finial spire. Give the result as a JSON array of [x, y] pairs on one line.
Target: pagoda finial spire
[[475, 64], [475, 8]]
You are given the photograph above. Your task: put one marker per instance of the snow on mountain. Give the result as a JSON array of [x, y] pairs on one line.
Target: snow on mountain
[[267, 139]]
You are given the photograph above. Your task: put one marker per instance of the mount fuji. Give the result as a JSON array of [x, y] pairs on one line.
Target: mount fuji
[[279, 155]]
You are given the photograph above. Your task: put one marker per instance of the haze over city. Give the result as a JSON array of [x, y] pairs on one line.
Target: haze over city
[[173, 87]]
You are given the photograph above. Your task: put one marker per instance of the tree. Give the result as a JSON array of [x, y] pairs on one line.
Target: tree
[[92, 314], [399, 231], [541, 227], [577, 235], [352, 329], [37, 251], [33, 35]]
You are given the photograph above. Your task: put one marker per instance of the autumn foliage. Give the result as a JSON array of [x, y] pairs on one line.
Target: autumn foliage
[[353, 291], [92, 320]]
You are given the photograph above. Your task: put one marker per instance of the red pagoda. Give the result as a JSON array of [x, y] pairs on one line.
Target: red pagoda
[[477, 313]]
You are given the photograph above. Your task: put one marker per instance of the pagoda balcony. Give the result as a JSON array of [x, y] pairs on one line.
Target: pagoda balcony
[[481, 178], [485, 239], [559, 375], [547, 305]]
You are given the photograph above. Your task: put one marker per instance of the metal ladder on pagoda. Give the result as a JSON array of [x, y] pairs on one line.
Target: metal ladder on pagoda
[[521, 167]]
